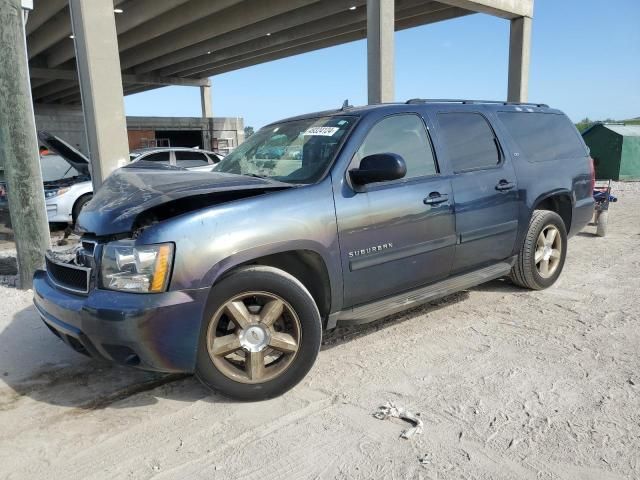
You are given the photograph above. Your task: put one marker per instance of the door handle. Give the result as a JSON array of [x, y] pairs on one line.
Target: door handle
[[504, 185], [435, 198]]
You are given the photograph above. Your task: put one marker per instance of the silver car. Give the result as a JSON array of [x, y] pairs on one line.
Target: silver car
[[189, 158]]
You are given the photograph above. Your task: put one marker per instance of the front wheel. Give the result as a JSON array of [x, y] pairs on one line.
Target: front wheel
[[260, 335], [79, 205], [542, 253]]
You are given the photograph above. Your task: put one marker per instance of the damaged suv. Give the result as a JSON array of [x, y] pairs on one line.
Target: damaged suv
[[339, 216]]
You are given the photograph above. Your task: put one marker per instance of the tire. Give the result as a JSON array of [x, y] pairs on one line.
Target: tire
[[528, 273], [603, 220], [79, 205], [298, 326]]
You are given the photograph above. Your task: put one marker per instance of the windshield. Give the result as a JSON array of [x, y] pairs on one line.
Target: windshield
[[294, 152], [54, 167]]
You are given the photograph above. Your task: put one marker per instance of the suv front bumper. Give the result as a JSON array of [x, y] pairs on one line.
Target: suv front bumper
[[149, 331]]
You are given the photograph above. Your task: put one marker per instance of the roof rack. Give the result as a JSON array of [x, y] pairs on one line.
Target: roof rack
[[469, 102]]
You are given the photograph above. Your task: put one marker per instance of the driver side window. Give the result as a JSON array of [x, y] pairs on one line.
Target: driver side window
[[404, 135]]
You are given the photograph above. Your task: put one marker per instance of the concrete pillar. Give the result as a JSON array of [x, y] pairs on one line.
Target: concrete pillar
[[207, 114], [205, 101], [19, 146], [98, 61], [380, 51], [519, 57]]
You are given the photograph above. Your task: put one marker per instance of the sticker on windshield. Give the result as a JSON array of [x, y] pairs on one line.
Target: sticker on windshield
[[321, 131]]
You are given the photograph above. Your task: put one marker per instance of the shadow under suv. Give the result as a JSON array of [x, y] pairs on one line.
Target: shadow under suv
[[339, 216]]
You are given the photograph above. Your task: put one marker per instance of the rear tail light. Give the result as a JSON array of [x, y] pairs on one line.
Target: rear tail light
[[592, 172]]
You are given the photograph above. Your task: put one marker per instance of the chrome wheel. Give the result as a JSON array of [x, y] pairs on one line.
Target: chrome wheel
[[548, 251], [253, 337]]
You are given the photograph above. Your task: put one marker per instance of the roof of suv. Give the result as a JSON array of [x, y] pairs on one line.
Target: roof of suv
[[364, 109]]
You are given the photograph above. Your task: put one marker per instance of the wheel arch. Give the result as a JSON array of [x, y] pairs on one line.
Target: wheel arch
[[559, 202], [77, 202], [307, 265]]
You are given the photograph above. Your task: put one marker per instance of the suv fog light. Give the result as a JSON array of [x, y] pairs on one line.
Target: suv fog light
[[139, 269]]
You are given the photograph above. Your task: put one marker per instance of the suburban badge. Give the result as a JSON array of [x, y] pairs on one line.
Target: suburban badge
[[369, 250]]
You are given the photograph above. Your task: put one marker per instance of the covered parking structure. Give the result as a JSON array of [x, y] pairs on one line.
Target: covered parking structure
[[92, 53]]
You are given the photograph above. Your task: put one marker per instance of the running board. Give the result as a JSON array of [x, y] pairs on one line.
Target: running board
[[383, 308]]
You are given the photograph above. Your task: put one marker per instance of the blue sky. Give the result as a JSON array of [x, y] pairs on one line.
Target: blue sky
[[585, 60]]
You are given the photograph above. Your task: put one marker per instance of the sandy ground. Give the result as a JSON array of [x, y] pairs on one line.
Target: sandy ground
[[510, 384]]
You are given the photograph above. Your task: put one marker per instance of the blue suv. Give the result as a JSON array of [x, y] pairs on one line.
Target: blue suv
[[347, 215]]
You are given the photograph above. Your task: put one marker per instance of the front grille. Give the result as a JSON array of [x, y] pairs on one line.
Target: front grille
[[68, 277]]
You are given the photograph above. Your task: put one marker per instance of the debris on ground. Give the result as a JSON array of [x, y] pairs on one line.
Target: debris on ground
[[390, 409], [425, 459]]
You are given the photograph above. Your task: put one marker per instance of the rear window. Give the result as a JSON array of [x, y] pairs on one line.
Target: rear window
[[470, 141], [188, 159], [160, 157], [543, 136]]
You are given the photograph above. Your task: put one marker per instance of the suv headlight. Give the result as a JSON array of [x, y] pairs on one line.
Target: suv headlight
[[54, 192], [136, 268]]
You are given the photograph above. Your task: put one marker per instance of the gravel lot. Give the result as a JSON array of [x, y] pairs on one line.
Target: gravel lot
[[510, 384]]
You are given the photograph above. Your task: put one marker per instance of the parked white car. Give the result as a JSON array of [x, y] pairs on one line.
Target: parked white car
[[67, 178], [189, 158], [64, 195]]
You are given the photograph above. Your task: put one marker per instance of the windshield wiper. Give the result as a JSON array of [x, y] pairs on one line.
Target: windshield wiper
[[255, 175]]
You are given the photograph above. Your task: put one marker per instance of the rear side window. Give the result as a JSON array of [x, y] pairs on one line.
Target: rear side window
[[213, 157], [160, 157], [543, 136], [404, 135], [187, 159], [469, 140]]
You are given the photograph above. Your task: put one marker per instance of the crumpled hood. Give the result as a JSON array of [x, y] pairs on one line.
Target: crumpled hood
[[132, 190]]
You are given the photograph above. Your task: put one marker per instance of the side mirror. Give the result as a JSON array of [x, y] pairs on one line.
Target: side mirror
[[380, 167]]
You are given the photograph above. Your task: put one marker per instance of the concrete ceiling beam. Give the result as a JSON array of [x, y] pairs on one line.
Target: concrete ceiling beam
[[238, 16], [408, 18], [52, 74], [329, 27], [53, 31], [173, 20], [258, 30], [60, 74], [501, 8], [136, 12], [403, 24], [74, 98], [43, 10], [54, 87], [38, 82], [286, 52]]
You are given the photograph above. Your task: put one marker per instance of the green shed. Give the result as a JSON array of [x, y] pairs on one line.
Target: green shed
[[615, 149]]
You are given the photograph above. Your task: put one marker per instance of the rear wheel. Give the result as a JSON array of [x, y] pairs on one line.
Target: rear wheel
[[543, 252], [603, 220], [260, 336]]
